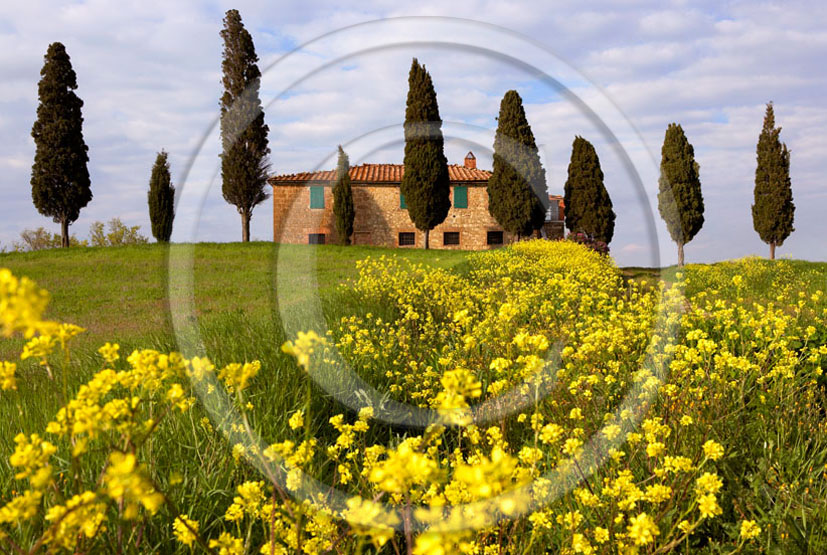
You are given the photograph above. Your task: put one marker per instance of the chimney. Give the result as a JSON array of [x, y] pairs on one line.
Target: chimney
[[470, 161]]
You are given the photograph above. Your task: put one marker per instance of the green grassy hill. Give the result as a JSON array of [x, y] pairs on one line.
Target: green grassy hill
[[240, 291], [120, 294]]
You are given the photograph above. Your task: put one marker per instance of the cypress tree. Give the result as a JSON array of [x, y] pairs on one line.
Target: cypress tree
[[244, 164], [517, 192], [425, 183], [773, 211], [680, 201], [343, 200], [588, 206], [60, 178], [161, 199]]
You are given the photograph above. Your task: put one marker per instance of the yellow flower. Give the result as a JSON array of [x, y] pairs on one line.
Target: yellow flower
[[237, 376], [185, 529], [749, 529], [303, 347], [126, 480], [20, 508], [31, 455], [109, 352], [39, 347], [571, 446], [642, 529], [21, 305], [713, 450], [708, 506], [297, 420], [655, 448], [611, 431], [227, 544], [7, 377], [708, 483], [80, 516], [551, 433]]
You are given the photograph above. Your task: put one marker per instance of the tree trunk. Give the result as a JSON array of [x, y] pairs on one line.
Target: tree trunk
[[64, 233], [245, 227], [427, 238], [680, 255], [772, 250]]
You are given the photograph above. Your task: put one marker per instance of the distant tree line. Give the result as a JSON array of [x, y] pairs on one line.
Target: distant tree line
[[517, 190]]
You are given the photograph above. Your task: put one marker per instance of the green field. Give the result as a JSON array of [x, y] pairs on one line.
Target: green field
[[120, 294], [123, 295]]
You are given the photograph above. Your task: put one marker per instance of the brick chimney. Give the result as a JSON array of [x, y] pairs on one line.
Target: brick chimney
[[470, 161]]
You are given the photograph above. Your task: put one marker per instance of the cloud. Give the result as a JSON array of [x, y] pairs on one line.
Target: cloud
[[149, 75]]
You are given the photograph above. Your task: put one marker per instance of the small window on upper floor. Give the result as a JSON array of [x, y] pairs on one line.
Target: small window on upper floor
[[316, 196], [402, 204], [460, 196]]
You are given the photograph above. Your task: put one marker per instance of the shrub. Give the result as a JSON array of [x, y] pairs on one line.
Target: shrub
[[41, 238], [586, 240], [119, 234]]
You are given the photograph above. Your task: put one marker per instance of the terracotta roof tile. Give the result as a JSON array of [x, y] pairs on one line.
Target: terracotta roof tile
[[378, 173]]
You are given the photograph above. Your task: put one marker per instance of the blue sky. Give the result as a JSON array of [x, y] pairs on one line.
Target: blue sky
[[149, 74]]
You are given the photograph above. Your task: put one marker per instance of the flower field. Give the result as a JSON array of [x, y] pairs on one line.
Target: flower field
[[531, 401]]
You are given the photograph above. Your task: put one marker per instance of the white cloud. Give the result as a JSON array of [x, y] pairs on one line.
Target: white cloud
[[149, 74]]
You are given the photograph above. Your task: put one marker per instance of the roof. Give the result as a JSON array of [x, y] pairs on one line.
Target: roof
[[379, 173]]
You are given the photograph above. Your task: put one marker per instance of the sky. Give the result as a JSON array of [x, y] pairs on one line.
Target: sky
[[616, 73]]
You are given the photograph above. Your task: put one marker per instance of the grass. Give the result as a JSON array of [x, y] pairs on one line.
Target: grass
[[121, 295]]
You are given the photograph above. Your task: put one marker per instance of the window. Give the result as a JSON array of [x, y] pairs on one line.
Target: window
[[494, 238], [317, 197], [407, 239], [553, 212], [450, 238], [460, 196], [315, 239], [402, 204]]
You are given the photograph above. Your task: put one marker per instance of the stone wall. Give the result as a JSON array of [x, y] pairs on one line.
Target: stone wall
[[379, 218]]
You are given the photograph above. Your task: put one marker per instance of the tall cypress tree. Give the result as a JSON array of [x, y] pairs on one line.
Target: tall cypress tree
[[425, 183], [773, 211], [680, 201], [60, 178], [343, 200], [161, 199], [588, 206], [244, 164], [517, 192]]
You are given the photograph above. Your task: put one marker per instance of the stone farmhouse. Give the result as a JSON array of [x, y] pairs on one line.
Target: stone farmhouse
[[303, 209]]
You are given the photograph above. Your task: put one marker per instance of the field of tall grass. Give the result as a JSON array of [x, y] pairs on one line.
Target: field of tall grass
[[526, 400]]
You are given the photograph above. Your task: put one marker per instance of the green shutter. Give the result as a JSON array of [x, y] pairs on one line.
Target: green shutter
[[402, 203], [460, 196], [317, 197]]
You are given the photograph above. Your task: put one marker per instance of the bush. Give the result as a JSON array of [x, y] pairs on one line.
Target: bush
[[119, 234], [584, 239], [40, 238]]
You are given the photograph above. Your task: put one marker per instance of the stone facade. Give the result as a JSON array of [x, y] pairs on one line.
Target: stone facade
[[380, 218]]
